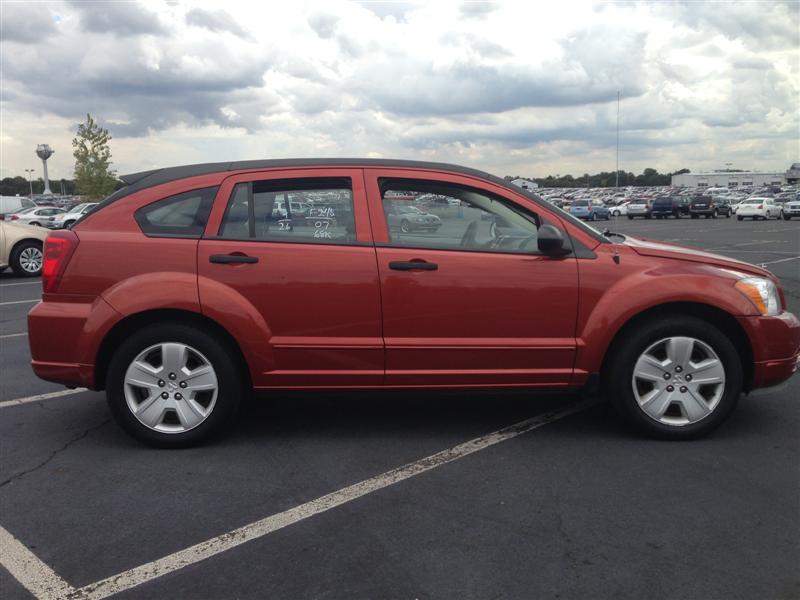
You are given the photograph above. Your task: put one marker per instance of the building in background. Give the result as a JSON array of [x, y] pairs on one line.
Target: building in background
[[525, 184], [730, 179]]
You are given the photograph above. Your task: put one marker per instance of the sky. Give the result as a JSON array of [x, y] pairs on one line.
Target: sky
[[513, 88]]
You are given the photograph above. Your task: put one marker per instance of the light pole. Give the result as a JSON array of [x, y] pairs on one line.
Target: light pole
[[30, 181]]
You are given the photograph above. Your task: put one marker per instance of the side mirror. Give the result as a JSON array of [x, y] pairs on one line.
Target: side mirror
[[551, 241]]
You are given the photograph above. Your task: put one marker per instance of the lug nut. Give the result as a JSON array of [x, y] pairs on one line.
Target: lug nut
[[178, 396], [161, 383], [172, 376], [678, 369], [670, 388], [688, 378], [684, 389], [182, 384], [667, 375], [164, 395]]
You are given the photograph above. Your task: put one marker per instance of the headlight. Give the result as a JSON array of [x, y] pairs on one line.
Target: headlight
[[761, 292]]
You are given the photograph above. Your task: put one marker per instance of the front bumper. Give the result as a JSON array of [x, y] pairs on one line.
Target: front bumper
[[775, 343]]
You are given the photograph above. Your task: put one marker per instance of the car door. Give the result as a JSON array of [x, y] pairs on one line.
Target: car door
[[472, 302], [311, 278]]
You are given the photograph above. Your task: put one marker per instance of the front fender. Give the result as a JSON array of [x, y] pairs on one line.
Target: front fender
[[605, 310]]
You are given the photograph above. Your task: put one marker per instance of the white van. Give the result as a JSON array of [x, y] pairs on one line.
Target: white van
[[12, 204]]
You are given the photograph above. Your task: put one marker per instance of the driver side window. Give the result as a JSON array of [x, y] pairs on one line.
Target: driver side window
[[436, 215]]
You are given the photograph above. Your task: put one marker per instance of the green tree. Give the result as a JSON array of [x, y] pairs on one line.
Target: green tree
[[93, 177]]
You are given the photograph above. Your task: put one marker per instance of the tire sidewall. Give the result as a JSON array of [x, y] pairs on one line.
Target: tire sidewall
[[228, 376], [621, 373]]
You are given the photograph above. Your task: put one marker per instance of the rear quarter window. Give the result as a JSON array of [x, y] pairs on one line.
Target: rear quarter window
[[183, 215]]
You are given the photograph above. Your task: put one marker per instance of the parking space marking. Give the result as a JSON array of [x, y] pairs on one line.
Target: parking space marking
[[2, 285], [780, 260], [39, 579], [39, 397], [10, 335], [226, 541], [20, 302]]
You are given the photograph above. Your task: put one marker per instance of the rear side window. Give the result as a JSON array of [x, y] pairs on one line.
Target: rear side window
[[184, 215], [309, 210]]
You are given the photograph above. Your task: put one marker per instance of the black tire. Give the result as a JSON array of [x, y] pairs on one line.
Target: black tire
[[34, 224], [630, 217], [648, 216], [619, 374], [229, 373], [405, 226], [787, 217], [695, 216], [15, 260], [738, 218], [593, 217], [616, 213]]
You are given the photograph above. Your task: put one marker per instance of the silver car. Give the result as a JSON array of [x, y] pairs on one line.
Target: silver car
[[409, 218]]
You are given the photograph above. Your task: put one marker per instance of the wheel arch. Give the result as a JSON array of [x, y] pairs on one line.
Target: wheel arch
[[131, 323], [721, 319]]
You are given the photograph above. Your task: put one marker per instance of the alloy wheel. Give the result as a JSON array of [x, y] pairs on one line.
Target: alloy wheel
[[30, 259], [678, 381], [171, 387]]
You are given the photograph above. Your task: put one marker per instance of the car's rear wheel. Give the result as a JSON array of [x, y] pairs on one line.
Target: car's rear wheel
[[739, 218], [173, 386], [68, 224], [26, 258], [787, 217], [405, 226], [675, 378], [34, 224]]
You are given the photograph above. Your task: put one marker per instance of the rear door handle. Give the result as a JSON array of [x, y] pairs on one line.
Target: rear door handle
[[413, 265], [226, 259]]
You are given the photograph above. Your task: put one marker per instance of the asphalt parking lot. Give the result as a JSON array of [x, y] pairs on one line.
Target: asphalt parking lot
[[303, 499]]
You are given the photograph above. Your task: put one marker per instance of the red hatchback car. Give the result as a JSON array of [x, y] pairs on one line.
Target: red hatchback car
[[192, 285]]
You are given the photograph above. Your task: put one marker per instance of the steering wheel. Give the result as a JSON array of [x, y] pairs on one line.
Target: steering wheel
[[469, 235]]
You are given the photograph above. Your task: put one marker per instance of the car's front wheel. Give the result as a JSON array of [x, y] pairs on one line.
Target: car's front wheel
[[675, 378], [173, 385]]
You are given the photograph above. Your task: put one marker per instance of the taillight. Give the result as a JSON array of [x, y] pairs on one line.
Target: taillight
[[14, 217], [58, 249], [760, 206]]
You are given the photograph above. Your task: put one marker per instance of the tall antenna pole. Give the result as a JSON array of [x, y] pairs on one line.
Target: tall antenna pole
[[617, 169]]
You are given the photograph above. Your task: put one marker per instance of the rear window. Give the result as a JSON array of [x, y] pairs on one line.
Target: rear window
[[580, 203], [184, 215]]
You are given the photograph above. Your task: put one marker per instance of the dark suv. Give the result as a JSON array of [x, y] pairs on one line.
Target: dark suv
[[670, 206], [703, 205]]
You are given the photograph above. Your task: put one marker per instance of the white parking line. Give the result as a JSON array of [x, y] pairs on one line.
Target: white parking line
[[226, 541], [39, 397], [39, 579], [10, 335], [774, 262], [20, 302], [2, 285]]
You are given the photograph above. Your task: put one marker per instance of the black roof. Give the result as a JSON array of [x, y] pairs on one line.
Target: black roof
[[146, 179]]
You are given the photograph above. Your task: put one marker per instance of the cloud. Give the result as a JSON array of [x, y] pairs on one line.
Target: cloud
[[215, 20], [118, 18], [27, 23], [503, 87]]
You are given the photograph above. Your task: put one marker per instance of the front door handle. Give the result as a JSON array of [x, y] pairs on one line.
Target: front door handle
[[413, 265], [226, 259]]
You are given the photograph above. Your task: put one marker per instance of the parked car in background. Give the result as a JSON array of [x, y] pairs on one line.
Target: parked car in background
[[409, 218], [591, 210], [620, 210], [723, 206], [35, 216], [702, 206], [758, 208], [640, 207], [790, 208], [21, 248], [201, 304], [670, 206], [65, 220], [14, 204]]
